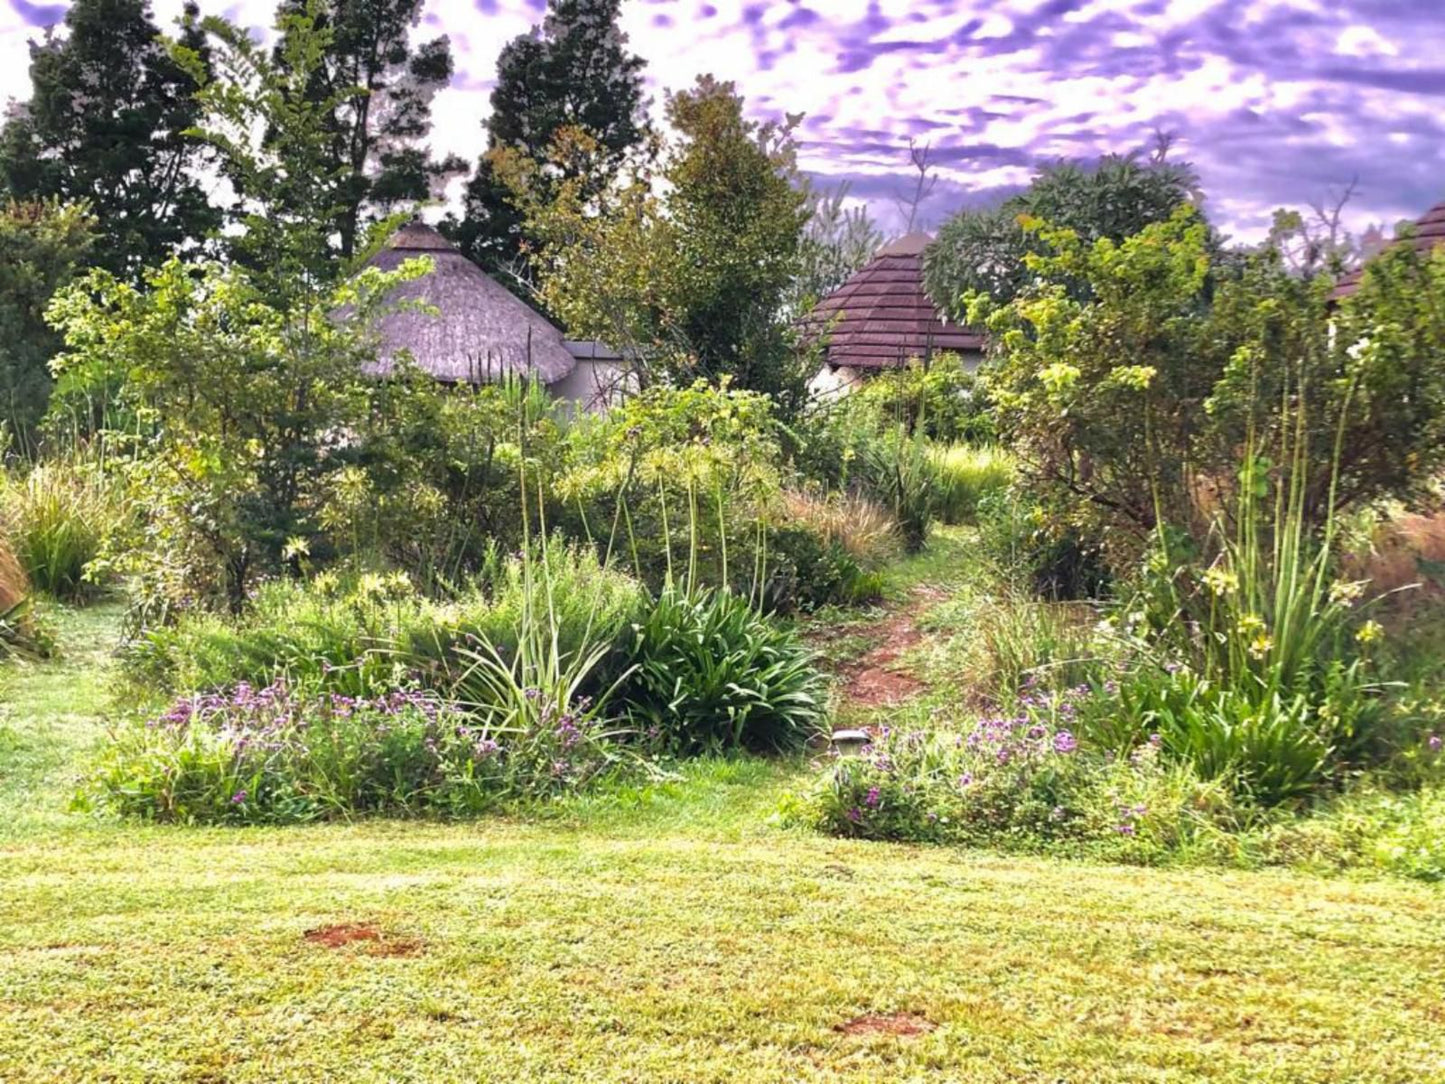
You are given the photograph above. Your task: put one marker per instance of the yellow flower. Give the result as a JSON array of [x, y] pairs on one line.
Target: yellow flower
[[1345, 592], [1369, 632], [1260, 645], [1250, 624], [1221, 581]]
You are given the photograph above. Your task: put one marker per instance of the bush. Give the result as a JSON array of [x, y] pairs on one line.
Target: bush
[[362, 635], [1030, 549], [805, 571], [965, 475], [941, 400], [59, 515], [676, 484], [712, 674], [279, 756], [1020, 782]]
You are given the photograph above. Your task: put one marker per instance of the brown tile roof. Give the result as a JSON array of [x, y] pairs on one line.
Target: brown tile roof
[[1429, 232], [883, 316]]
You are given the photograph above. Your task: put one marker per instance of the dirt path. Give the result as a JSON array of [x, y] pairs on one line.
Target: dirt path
[[873, 680]]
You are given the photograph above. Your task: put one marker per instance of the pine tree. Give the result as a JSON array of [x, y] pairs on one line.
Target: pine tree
[[41, 246], [572, 71], [378, 138], [105, 125]]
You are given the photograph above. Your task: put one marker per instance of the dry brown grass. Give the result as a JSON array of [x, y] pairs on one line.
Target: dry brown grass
[[1401, 552], [866, 530], [14, 584]]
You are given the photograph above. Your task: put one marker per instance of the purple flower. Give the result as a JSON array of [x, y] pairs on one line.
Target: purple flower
[[855, 815], [1064, 742], [1125, 829], [1434, 742], [872, 799], [238, 797], [965, 780], [1155, 740]]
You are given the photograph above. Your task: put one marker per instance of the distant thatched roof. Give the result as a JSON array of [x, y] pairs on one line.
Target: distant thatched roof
[[883, 314], [1429, 232], [481, 331]]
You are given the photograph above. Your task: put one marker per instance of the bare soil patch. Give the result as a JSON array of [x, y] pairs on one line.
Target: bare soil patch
[[373, 940], [873, 680], [906, 1024]]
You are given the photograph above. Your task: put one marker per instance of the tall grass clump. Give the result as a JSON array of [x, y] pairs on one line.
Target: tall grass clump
[[863, 528], [897, 471], [965, 474], [59, 514], [1257, 667]]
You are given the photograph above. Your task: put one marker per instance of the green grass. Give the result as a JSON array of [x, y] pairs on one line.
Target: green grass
[[664, 933]]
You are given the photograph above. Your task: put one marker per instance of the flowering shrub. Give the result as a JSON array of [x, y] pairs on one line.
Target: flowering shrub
[[277, 755], [1021, 781]]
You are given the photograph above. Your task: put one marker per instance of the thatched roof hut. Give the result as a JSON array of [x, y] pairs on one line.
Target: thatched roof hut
[[882, 317], [1429, 231], [480, 332]]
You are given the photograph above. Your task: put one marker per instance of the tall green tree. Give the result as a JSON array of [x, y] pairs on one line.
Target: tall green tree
[[273, 136], [106, 125], [694, 272], [985, 250], [378, 136], [571, 71], [41, 246]]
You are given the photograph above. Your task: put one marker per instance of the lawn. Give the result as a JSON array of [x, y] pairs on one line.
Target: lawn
[[672, 933]]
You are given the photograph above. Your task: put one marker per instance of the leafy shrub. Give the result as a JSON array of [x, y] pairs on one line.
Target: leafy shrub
[[1401, 834], [677, 484], [277, 755], [1019, 782], [804, 572], [965, 474], [1268, 753], [59, 515], [941, 400], [362, 635], [1030, 549], [712, 674]]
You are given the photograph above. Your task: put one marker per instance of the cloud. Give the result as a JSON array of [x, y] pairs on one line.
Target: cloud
[[1275, 101], [38, 14]]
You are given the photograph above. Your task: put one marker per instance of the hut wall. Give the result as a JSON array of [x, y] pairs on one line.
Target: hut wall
[[596, 384]]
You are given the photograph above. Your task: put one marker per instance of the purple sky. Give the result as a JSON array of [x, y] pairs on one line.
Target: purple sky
[[1276, 101]]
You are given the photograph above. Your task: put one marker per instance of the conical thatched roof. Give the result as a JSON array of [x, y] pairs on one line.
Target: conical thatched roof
[[883, 315], [1429, 232], [481, 332]]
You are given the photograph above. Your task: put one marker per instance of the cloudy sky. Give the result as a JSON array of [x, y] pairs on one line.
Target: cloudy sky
[[1276, 101]]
